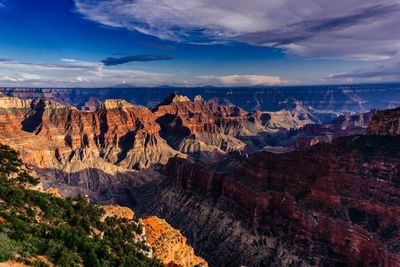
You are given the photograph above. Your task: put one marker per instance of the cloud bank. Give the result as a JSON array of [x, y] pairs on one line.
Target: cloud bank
[[350, 29], [112, 61], [73, 73], [388, 71], [76, 73], [241, 80]]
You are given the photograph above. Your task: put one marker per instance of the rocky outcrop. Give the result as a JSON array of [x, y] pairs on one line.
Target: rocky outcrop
[[92, 104], [343, 125], [53, 191], [385, 122], [169, 245], [117, 211], [205, 129], [83, 148], [118, 137]]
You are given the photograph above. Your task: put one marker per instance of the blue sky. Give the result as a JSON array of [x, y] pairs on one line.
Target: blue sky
[[87, 43]]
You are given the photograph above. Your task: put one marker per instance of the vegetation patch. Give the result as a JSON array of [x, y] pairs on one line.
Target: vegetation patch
[[68, 232]]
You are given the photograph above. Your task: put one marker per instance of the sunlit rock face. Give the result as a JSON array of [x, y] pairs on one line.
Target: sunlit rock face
[[117, 211], [99, 147], [169, 245], [88, 149], [201, 127]]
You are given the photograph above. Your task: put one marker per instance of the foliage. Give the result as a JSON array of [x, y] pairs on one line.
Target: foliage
[[68, 232]]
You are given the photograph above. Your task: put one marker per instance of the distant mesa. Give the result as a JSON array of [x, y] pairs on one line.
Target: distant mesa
[[175, 98], [115, 104]]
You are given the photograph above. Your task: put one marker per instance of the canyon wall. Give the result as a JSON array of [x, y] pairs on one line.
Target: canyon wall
[[334, 204], [336, 98]]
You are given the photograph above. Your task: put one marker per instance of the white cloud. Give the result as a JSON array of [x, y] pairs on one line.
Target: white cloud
[[78, 73], [241, 80], [73, 73], [351, 29], [387, 71]]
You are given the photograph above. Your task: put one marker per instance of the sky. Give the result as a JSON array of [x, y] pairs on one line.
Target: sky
[[103, 43]]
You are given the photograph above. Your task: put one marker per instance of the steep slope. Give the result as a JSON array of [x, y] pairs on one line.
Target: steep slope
[[203, 128], [169, 246], [38, 229], [86, 149], [334, 204], [208, 130], [385, 122], [343, 125]]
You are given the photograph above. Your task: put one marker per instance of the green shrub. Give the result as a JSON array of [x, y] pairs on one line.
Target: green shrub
[[36, 223]]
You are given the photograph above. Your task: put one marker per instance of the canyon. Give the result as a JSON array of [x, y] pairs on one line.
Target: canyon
[[99, 150], [331, 98], [334, 204], [328, 195]]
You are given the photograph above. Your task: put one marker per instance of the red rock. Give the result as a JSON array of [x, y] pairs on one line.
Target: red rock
[[385, 122], [344, 195]]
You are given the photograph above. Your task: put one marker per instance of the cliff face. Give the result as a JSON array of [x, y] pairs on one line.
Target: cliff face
[[385, 122], [86, 149], [208, 130], [202, 128], [333, 204], [169, 245], [343, 125], [117, 136], [97, 150]]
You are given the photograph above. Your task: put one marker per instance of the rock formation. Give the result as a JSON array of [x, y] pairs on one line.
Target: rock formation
[[385, 122], [117, 211], [169, 245], [343, 125], [53, 191], [327, 205], [206, 122], [208, 130], [334, 204], [86, 149]]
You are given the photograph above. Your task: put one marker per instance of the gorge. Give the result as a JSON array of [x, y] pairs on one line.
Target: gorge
[[259, 188]]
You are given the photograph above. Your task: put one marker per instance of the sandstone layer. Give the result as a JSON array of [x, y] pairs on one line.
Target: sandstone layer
[[99, 149], [94, 150], [169, 245]]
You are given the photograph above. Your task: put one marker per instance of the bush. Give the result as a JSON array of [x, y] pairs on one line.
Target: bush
[[61, 229], [7, 247]]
